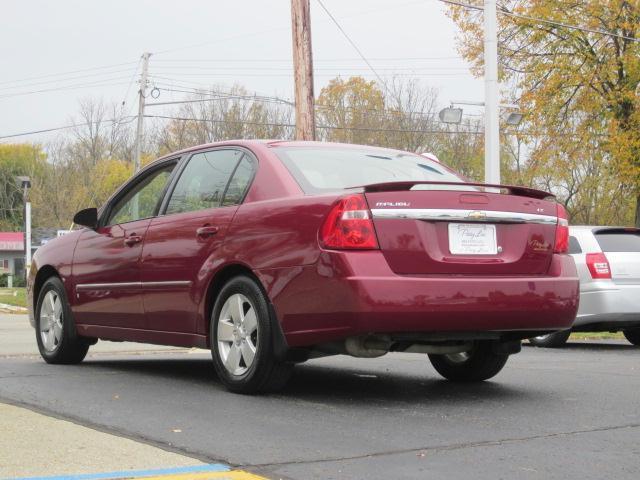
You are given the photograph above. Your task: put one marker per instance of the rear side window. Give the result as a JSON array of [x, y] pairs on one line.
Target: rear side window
[[574, 245], [326, 169], [239, 183], [203, 181], [619, 241]]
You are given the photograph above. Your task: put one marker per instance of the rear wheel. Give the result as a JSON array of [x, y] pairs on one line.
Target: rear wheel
[[56, 334], [633, 335], [551, 340], [476, 365], [241, 337]]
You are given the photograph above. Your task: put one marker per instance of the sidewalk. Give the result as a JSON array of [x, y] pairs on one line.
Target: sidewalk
[[33, 445], [36, 445]]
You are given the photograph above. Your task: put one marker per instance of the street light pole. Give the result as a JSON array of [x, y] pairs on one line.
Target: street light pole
[[491, 111], [27, 234], [25, 184]]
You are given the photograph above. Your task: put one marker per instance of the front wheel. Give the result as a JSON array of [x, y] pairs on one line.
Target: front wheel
[[476, 365], [633, 335], [241, 337], [551, 340], [56, 334]]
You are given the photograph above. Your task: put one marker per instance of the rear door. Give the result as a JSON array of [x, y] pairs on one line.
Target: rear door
[[182, 246], [622, 249], [106, 262]]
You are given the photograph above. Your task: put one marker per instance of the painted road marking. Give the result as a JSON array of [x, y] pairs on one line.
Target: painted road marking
[[197, 472]]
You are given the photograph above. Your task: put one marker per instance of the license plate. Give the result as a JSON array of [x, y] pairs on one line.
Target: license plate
[[472, 239]]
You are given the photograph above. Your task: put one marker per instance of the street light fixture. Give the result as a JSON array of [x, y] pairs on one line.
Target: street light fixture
[[451, 115], [514, 118]]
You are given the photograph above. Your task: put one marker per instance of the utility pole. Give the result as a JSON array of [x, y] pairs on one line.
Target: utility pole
[[491, 111], [303, 70], [142, 93]]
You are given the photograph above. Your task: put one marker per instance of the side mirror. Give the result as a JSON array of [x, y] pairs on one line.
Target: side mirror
[[87, 218]]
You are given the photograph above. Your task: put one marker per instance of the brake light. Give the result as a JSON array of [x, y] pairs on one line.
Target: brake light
[[598, 265], [562, 231], [349, 226]]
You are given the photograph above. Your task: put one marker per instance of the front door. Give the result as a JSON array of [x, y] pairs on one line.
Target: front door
[[182, 246], [106, 262]]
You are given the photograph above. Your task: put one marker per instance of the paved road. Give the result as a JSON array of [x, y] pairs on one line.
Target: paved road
[[570, 414]]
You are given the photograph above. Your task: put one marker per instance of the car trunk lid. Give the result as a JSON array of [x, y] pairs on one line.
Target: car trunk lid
[[463, 229]]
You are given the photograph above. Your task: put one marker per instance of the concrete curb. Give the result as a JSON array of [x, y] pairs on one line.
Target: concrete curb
[[4, 308]]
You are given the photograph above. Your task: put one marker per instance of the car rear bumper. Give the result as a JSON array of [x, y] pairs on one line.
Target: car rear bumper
[[613, 305], [354, 293]]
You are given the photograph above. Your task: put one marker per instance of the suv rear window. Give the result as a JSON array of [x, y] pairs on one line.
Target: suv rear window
[[619, 241], [325, 169]]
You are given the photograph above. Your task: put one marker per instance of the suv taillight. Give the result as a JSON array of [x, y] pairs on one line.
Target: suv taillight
[[598, 266], [562, 231], [349, 226]]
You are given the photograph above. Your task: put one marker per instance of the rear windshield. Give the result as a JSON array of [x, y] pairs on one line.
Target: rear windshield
[[325, 169], [616, 241]]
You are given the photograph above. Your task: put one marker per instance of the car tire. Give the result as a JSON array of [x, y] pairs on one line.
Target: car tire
[[58, 341], [551, 340], [479, 364], [633, 335], [241, 336]]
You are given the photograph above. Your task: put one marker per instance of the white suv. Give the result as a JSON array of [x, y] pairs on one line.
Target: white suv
[[608, 263]]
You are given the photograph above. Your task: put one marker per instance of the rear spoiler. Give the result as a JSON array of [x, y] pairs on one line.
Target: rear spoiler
[[504, 189]]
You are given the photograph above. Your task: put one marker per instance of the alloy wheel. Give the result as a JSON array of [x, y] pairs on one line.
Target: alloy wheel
[[237, 334], [51, 321]]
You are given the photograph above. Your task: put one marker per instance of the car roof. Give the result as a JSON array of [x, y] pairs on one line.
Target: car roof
[[279, 143]]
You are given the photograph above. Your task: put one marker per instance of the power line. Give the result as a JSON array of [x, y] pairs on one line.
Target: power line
[[47, 82], [66, 127], [353, 44], [345, 73], [325, 127], [288, 60], [287, 68], [133, 76], [556, 23], [99, 83], [66, 73]]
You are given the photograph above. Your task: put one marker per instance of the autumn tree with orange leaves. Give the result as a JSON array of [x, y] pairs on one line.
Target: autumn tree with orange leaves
[[579, 89]]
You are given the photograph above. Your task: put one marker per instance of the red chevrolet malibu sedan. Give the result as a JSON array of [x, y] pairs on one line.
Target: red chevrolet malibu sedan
[[271, 253]]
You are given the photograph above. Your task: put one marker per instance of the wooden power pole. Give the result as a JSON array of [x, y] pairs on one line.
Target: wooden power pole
[[303, 70]]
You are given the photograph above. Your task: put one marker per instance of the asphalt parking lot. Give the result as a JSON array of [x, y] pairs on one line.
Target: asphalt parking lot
[[570, 413]]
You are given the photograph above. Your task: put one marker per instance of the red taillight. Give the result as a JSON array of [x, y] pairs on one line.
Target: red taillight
[[598, 265], [562, 231], [349, 226]]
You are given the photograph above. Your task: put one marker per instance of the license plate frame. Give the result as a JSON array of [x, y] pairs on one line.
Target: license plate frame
[[473, 239]]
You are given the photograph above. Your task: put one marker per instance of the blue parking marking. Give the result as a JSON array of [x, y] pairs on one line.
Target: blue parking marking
[[214, 467]]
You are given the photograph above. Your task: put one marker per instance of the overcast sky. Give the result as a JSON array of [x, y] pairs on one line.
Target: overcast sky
[[204, 42]]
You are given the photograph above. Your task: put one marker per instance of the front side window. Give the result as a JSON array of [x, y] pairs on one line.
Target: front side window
[[204, 181], [143, 199]]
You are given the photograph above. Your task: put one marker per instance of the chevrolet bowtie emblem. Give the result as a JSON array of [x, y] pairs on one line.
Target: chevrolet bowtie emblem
[[477, 215]]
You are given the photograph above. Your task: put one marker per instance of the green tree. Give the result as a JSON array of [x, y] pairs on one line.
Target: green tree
[[17, 159]]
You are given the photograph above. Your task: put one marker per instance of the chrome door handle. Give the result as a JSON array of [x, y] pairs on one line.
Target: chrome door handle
[[132, 240], [206, 231]]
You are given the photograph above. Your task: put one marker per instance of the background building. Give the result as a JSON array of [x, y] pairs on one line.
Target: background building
[[12, 253]]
